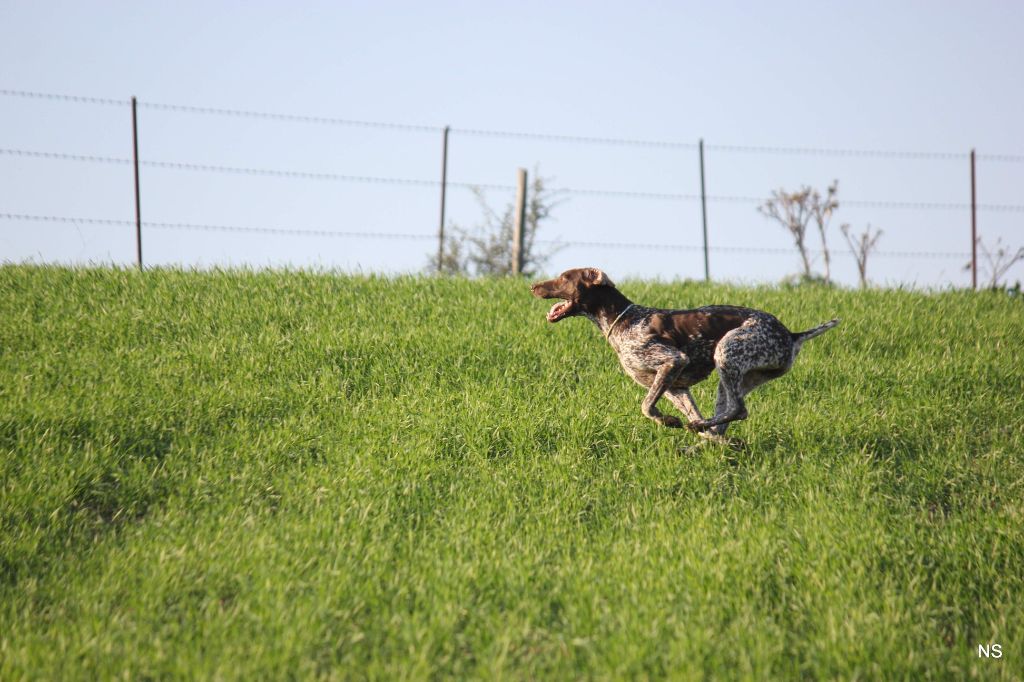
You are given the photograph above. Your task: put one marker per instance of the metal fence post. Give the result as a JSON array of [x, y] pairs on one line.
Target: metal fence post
[[444, 191], [974, 229], [135, 160], [518, 225], [704, 212]]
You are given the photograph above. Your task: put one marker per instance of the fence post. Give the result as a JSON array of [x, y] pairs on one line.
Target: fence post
[[974, 229], [518, 224], [444, 191], [704, 212], [135, 160]]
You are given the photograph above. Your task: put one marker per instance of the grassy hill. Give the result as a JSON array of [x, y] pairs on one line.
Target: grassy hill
[[238, 475]]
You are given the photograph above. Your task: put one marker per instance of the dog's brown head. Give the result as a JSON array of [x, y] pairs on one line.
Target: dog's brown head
[[584, 291]]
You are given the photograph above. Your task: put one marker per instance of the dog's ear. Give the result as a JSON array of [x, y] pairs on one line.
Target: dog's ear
[[597, 277]]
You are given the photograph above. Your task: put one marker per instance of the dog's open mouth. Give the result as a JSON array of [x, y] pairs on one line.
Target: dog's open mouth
[[559, 310]]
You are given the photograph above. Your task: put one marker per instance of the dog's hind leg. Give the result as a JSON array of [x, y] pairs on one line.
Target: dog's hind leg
[[748, 356], [729, 405], [759, 377], [750, 381], [736, 354]]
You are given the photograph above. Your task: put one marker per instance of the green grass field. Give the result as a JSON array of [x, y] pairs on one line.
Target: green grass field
[[241, 475]]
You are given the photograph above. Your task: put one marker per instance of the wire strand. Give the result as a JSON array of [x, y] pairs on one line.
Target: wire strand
[[575, 191], [756, 250], [826, 151], [79, 99], [293, 118], [507, 134], [306, 232], [582, 139]]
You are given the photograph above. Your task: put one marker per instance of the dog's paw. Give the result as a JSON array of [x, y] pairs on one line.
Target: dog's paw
[[670, 421], [698, 426]]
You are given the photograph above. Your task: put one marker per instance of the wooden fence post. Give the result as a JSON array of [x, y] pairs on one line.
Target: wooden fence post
[[519, 223]]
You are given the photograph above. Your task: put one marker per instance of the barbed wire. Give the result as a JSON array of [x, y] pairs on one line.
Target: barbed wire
[[825, 151], [627, 194], [483, 132], [1007, 158], [293, 118], [242, 113], [339, 177], [306, 232], [756, 250], [239, 170], [200, 227], [582, 139], [27, 217], [64, 156], [80, 99], [661, 247], [886, 204]]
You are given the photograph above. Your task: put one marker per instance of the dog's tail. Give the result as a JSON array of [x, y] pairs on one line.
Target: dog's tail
[[800, 337]]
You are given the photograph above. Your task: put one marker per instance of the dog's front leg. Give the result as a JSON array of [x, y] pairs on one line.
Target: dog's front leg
[[685, 403], [664, 378]]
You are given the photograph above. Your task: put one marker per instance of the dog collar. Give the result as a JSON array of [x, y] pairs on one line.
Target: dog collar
[[608, 334]]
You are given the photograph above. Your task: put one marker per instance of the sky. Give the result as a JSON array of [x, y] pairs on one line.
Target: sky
[[758, 82]]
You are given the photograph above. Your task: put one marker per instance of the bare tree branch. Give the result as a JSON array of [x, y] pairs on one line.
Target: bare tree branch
[[792, 211], [861, 247], [821, 210], [998, 261]]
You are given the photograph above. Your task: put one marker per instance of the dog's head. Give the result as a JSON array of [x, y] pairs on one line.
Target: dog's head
[[583, 292]]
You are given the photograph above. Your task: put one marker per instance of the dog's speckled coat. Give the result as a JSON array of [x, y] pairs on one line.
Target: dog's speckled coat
[[667, 351]]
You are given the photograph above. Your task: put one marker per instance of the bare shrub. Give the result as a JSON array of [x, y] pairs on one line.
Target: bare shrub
[[861, 247]]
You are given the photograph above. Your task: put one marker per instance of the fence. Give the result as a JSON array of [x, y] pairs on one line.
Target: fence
[[966, 211]]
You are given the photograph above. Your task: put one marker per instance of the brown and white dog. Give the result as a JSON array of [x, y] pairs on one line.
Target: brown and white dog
[[667, 351]]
